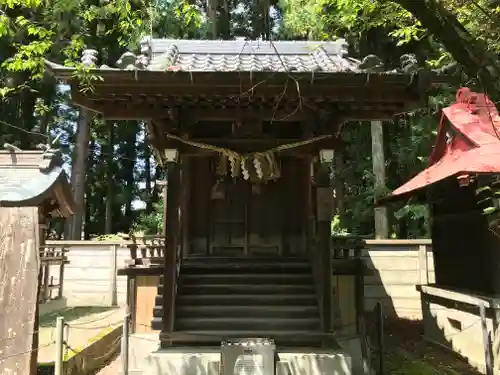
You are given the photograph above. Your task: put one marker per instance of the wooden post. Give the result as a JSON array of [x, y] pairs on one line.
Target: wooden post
[[378, 161], [380, 338], [338, 185], [423, 264], [171, 222], [113, 297], [361, 317], [324, 202], [46, 293], [59, 360], [132, 301], [60, 293], [125, 342], [19, 288], [486, 340], [23, 230]]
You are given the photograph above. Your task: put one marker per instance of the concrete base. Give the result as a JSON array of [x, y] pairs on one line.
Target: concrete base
[[140, 346], [352, 345], [145, 358], [203, 361], [451, 319]]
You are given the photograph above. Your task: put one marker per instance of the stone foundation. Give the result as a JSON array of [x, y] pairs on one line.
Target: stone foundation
[[452, 320]]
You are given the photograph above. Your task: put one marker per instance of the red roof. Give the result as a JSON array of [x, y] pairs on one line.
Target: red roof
[[468, 143]]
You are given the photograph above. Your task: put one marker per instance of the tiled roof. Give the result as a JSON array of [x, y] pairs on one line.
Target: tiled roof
[[240, 55], [159, 55]]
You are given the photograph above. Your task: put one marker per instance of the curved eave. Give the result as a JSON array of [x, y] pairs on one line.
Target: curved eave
[[109, 75], [481, 160], [53, 185]]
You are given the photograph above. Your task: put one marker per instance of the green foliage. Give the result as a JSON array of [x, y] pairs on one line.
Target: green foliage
[[152, 222], [336, 227], [36, 29], [111, 237], [33, 107], [488, 197]]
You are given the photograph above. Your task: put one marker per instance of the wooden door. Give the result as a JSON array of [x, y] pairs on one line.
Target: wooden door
[[234, 218], [228, 218]]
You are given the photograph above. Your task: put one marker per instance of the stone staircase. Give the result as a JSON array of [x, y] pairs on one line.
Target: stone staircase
[[245, 297]]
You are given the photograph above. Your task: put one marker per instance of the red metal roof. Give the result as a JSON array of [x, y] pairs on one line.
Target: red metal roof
[[468, 143]]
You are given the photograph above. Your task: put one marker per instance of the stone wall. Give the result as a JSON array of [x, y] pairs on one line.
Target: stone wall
[[397, 267]]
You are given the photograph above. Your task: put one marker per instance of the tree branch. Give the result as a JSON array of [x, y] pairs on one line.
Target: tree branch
[[465, 49]]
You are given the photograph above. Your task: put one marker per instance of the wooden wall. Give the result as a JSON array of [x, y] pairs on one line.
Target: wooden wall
[[145, 294], [233, 218]]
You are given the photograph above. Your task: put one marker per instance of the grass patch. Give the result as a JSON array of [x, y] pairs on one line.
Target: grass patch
[[74, 351], [70, 314]]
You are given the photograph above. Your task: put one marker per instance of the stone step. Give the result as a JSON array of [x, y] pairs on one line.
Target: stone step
[[259, 311], [246, 323], [283, 338], [250, 266], [219, 289], [247, 278], [246, 300]]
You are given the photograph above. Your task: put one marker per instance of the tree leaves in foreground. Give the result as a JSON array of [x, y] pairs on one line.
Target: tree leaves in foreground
[[438, 33]]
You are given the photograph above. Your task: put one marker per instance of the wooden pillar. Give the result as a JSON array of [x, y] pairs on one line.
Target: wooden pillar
[[338, 185], [171, 228], [378, 161], [185, 204], [324, 196]]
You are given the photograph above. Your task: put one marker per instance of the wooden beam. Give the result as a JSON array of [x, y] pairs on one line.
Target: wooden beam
[[236, 93], [131, 111], [83, 100]]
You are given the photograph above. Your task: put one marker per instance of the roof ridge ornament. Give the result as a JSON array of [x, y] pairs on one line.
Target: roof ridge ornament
[[145, 55], [371, 63], [409, 63], [89, 58]]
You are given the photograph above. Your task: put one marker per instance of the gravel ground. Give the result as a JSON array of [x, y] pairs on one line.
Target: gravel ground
[[407, 353]]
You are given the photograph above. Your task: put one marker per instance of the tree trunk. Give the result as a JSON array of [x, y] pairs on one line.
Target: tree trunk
[[78, 172], [90, 207], [28, 120], [378, 162], [130, 153], [465, 49]]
